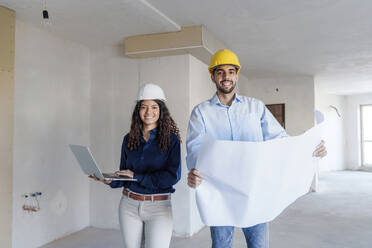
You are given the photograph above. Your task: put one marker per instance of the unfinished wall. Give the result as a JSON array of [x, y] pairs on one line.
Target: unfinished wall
[[353, 136], [52, 92], [302, 96], [7, 25], [333, 131], [172, 74], [297, 93], [201, 88], [115, 81], [113, 88]]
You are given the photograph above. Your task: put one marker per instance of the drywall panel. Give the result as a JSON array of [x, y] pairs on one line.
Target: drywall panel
[[201, 85], [7, 23], [172, 74], [333, 130], [6, 155], [115, 81], [297, 93], [52, 96], [201, 88], [113, 92]]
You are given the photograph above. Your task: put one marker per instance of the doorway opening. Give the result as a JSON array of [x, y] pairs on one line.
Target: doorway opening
[[278, 111]]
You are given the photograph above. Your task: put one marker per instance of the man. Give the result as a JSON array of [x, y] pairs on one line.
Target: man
[[229, 116]]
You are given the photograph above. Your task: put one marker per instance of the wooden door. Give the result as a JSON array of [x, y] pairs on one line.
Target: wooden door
[[278, 111]]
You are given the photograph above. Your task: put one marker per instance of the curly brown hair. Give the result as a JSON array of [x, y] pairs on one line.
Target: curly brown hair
[[165, 126]]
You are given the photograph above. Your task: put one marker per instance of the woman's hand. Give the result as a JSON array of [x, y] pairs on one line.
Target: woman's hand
[[127, 173], [101, 180]]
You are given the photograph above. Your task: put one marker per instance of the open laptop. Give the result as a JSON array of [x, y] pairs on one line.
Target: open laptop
[[89, 165]]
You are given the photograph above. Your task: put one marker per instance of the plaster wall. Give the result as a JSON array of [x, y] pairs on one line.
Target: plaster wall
[[52, 96], [201, 88], [353, 136], [7, 33], [113, 88], [115, 81], [333, 132], [297, 93], [172, 73]]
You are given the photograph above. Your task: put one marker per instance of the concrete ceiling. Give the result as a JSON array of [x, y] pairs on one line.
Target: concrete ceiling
[[328, 39]]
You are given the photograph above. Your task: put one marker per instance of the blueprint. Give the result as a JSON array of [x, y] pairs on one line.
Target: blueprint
[[247, 183]]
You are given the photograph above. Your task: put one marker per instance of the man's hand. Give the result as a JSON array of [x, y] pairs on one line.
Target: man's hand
[[320, 150], [194, 178], [102, 181]]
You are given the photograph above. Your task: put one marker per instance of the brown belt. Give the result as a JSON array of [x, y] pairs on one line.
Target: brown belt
[[139, 197]]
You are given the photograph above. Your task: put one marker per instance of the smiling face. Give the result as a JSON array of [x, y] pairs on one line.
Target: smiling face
[[225, 78], [149, 113]]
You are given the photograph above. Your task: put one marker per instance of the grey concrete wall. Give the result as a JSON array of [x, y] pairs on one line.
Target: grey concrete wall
[[111, 104], [333, 130], [52, 96], [297, 93], [201, 88], [115, 80]]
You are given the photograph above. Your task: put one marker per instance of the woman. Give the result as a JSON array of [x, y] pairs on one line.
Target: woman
[[150, 155]]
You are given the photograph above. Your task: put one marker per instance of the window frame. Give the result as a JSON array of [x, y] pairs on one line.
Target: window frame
[[362, 141]]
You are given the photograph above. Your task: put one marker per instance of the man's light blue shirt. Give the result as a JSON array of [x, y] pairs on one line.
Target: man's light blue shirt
[[247, 119]]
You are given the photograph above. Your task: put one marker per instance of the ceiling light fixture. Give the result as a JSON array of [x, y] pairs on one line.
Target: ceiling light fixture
[[46, 20]]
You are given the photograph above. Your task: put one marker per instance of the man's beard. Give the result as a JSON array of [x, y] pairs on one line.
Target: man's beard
[[225, 91]]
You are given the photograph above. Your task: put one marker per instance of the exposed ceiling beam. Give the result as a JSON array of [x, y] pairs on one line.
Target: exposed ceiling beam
[[195, 40]]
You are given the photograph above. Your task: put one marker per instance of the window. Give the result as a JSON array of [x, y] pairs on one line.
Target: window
[[366, 132]]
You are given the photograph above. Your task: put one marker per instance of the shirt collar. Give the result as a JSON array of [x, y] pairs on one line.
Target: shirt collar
[[153, 131], [216, 101], [152, 135]]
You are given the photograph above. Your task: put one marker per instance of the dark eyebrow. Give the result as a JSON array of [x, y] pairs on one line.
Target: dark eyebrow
[[231, 69]]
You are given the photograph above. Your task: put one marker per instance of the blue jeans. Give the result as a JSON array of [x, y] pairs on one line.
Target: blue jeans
[[256, 236]]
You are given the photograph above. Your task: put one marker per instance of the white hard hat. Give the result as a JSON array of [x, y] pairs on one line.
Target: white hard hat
[[150, 92]]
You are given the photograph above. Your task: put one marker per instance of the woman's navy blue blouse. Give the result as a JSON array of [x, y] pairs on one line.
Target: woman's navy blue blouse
[[155, 172]]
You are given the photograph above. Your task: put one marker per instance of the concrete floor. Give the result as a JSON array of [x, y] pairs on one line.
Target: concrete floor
[[339, 215]]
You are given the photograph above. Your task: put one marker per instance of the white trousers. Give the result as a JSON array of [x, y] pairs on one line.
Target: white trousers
[[156, 216]]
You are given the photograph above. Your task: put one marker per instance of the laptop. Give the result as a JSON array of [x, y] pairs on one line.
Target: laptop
[[89, 166]]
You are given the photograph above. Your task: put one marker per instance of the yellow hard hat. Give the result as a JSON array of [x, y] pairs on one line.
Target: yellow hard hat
[[224, 57]]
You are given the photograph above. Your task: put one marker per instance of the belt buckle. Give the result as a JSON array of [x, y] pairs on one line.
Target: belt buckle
[[152, 198]]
